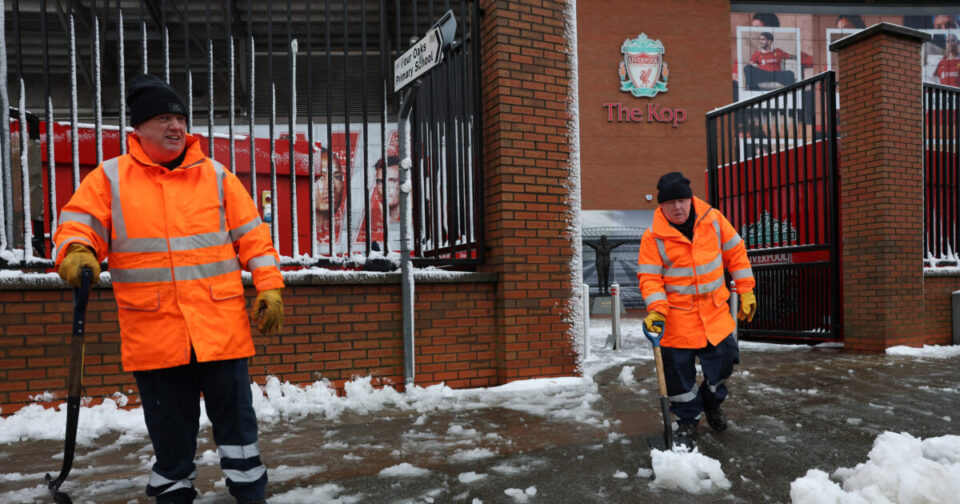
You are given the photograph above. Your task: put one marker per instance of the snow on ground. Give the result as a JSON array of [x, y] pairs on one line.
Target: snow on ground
[[900, 468], [691, 472]]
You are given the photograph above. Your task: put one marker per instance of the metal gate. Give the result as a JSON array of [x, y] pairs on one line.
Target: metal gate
[[295, 98], [772, 171]]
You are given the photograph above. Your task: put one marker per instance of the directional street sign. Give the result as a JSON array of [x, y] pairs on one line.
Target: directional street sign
[[423, 56]]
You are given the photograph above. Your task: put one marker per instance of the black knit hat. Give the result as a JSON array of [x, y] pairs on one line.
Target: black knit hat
[[149, 96], [673, 186]]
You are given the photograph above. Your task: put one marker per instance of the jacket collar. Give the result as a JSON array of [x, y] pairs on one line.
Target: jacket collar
[[662, 227], [192, 145]]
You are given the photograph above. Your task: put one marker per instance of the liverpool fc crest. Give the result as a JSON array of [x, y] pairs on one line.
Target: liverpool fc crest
[[643, 71]]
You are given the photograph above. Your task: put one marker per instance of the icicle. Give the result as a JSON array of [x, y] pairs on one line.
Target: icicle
[[293, 175], [210, 98], [251, 117], [51, 165], [122, 133], [25, 172], [189, 100], [166, 54], [275, 231], [74, 140], [98, 100], [6, 208], [233, 155], [143, 41]]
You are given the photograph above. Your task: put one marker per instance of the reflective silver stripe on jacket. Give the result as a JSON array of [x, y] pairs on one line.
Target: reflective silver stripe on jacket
[[716, 227], [663, 253], [195, 272], [239, 451], [262, 261], [742, 273], [111, 168], [65, 244], [240, 232], [686, 396], [717, 262], [656, 296], [87, 220], [706, 288], [732, 242], [221, 174], [653, 269]]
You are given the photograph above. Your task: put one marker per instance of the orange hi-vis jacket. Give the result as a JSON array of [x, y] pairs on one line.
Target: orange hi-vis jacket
[[685, 280], [176, 241]]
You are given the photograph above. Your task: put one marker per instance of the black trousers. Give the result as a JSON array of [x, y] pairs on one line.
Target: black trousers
[[687, 398], [171, 408]]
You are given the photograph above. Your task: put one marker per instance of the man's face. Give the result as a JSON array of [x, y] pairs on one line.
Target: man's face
[[951, 43], [163, 137], [676, 211], [944, 22], [393, 185], [321, 196], [844, 23], [757, 22], [764, 43]]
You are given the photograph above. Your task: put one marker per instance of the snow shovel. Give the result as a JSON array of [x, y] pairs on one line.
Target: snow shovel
[[666, 442], [74, 384]]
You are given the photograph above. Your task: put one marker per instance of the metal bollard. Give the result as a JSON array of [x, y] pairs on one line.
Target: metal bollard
[[734, 308], [585, 289], [615, 315]]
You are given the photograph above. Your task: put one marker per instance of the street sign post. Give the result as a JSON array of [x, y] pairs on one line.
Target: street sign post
[[423, 56]]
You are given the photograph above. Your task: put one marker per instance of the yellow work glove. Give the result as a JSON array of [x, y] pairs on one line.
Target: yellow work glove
[[268, 311], [748, 306], [654, 316], [78, 257]]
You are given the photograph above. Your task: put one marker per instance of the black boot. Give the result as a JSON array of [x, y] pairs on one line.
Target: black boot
[[686, 434], [716, 419]]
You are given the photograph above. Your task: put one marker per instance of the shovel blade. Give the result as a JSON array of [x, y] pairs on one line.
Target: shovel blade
[[657, 443]]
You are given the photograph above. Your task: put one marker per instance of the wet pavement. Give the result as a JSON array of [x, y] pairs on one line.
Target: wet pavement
[[789, 411]]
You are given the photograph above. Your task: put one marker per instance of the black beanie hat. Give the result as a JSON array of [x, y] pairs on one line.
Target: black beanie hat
[[149, 96], [673, 186]]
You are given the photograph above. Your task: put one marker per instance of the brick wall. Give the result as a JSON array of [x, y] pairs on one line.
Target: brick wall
[[881, 189], [527, 180], [938, 308], [509, 321], [333, 331]]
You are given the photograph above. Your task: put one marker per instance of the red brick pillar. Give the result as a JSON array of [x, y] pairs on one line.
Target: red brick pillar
[[527, 183], [881, 186]]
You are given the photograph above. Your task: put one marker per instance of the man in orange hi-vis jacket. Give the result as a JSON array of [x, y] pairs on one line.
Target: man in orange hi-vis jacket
[[682, 260], [178, 229]]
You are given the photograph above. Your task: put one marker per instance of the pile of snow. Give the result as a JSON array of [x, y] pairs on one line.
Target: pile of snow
[[404, 470], [691, 472], [900, 468], [520, 495], [927, 351]]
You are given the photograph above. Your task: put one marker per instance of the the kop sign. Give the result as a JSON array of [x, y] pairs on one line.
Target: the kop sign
[[643, 74]]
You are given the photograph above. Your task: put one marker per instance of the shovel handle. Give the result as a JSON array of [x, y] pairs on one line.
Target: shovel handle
[[661, 380]]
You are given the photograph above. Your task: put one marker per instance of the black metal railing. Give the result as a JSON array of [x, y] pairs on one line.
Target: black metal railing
[[295, 98], [941, 176], [772, 171]]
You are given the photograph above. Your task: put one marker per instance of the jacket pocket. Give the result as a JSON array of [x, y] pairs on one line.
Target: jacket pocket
[[138, 299], [720, 296], [226, 290]]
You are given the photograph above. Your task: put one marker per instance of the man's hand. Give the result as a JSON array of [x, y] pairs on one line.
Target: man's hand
[[654, 316], [78, 257], [748, 306], [268, 311]]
